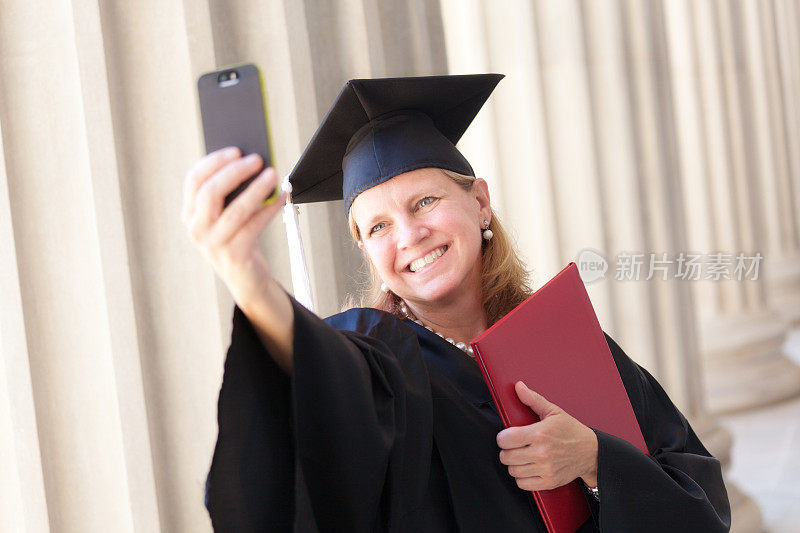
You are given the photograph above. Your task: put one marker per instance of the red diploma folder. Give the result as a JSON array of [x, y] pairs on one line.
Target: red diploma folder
[[553, 342]]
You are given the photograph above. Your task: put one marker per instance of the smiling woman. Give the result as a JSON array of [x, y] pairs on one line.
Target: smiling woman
[[368, 420], [504, 279]]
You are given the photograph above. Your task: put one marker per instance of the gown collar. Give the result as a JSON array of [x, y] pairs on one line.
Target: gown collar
[[453, 362]]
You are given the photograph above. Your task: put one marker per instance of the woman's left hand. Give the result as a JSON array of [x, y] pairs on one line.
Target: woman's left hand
[[549, 453]]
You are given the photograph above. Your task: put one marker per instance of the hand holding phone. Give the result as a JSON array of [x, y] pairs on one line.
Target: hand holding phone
[[234, 114], [234, 127]]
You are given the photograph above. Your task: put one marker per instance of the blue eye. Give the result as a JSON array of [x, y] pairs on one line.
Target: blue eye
[[426, 198], [373, 230]]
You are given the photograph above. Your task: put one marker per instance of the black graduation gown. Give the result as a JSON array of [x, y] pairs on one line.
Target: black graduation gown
[[384, 426]]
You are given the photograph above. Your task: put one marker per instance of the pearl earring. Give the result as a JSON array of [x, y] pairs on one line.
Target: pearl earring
[[384, 287], [487, 233]]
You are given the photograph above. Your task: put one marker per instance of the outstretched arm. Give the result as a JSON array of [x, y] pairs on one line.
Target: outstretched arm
[[344, 440]]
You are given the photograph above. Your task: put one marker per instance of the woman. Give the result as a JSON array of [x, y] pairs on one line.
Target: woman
[[370, 420]]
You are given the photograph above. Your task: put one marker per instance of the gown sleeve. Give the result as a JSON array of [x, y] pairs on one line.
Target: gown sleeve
[[678, 487], [343, 443]]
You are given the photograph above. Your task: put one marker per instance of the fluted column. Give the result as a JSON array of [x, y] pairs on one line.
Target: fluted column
[[778, 34], [613, 134], [787, 35], [740, 337], [579, 207], [783, 274], [114, 259], [22, 490], [782, 102], [690, 133], [662, 208], [660, 119], [88, 406]]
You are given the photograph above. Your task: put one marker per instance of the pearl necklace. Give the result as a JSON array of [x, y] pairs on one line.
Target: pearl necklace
[[466, 348]]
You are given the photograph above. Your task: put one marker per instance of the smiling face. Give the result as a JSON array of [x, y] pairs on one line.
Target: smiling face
[[422, 233]]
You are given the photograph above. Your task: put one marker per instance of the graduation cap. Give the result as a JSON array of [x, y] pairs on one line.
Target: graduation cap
[[375, 130]]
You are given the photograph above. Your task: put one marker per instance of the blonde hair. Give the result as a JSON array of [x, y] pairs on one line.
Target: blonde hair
[[504, 276]]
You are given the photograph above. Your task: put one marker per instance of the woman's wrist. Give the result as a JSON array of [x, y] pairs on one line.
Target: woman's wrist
[[272, 317], [590, 479], [590, 474]]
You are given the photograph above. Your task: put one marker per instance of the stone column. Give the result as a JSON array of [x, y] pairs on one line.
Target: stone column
[[740, 337], [778, 34], [684, 77], [780, 244], [786, 30], [23, 506], [78, 412], [579, 206]]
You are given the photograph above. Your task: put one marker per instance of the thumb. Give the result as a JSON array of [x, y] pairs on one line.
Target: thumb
[[534, 400]]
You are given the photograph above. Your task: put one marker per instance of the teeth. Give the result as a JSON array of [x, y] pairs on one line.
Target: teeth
[[420, 263]]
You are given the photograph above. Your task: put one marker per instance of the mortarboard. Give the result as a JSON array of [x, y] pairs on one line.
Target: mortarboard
[[375, 130]]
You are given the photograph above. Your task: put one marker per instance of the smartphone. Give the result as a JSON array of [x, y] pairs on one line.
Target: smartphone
[[234, 113]]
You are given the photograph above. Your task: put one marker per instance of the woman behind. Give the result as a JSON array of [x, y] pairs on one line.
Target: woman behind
[[369, 420]]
